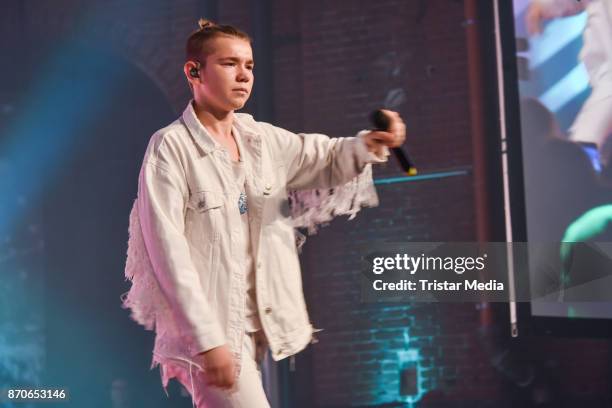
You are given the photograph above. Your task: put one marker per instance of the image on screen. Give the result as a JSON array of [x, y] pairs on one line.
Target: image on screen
[[564, 71]]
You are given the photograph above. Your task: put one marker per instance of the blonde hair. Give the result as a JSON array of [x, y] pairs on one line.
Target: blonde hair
[[198, 44]]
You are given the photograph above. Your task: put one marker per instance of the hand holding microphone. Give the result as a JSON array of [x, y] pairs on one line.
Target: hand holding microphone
[[389, 131]]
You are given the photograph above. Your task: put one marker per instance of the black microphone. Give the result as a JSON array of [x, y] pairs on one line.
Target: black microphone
[[382, 122]]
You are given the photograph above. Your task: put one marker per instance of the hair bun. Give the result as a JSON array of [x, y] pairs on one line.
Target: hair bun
[[204, 24]]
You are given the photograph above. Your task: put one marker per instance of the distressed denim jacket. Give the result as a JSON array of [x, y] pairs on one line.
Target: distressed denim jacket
[[188, 283]]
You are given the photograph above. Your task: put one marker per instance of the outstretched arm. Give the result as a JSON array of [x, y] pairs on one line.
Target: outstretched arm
[[318, 161]]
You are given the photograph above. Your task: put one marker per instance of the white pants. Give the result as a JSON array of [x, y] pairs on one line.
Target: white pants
[[594, 121], [248, 391]]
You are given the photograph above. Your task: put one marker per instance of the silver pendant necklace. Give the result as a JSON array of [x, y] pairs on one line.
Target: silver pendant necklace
[[242, 203]]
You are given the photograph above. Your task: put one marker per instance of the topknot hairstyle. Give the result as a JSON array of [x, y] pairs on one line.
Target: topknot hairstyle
[[198, 44]]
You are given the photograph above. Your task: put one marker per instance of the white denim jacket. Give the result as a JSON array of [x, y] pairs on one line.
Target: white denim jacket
[[187, 282]]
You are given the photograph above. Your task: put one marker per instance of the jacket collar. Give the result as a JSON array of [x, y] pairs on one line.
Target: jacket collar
[[205, 142]]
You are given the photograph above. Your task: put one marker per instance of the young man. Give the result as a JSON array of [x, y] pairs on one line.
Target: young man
[[212, 253]]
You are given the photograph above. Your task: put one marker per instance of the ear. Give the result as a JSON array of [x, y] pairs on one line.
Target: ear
[[191, 70]]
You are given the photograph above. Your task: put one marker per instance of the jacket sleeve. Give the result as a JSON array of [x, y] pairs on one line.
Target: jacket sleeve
[[326, 177], [162, 195], [318, 161]]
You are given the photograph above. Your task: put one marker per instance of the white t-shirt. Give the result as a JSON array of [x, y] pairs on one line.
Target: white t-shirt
[[252, 321]]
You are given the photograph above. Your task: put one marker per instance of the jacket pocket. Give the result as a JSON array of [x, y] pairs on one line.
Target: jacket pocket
[[205, 200], [207, 215]]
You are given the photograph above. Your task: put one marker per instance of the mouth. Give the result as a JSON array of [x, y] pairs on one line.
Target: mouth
[[241, 90]]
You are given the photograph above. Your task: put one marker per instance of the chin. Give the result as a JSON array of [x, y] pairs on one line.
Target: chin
[[238, 105]]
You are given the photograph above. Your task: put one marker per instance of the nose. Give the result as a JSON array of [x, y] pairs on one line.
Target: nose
[[244, 75]]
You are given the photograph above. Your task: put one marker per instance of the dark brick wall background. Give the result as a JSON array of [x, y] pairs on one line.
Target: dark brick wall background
[[334, 62]]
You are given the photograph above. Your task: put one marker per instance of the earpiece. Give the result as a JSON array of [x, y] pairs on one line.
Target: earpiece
[[194, 72]]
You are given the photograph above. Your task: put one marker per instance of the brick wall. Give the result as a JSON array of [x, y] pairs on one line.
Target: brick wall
[[354, 53], [149, 35]]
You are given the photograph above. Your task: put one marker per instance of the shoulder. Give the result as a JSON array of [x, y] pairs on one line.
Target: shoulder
[[167, 145], [245, 119], [171, 138], [278, 142], [171, 135], [276, 138], [248, 122]]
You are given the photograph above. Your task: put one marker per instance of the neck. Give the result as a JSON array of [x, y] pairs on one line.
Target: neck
[[216, 121]]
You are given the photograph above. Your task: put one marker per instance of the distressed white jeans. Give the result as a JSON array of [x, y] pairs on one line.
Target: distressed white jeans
[[248, 391]]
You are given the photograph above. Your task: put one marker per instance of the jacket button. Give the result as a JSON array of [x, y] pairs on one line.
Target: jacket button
[[268, 310], [268, 187]]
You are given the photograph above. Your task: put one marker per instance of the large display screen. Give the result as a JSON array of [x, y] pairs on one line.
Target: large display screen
[[564, 51]]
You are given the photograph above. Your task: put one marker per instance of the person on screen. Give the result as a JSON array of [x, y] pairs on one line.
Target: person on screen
[[594, 121], [538, 125], [560, 181], [212, 252]]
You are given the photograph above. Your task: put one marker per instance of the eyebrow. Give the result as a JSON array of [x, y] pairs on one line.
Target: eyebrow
[[234, 59]]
